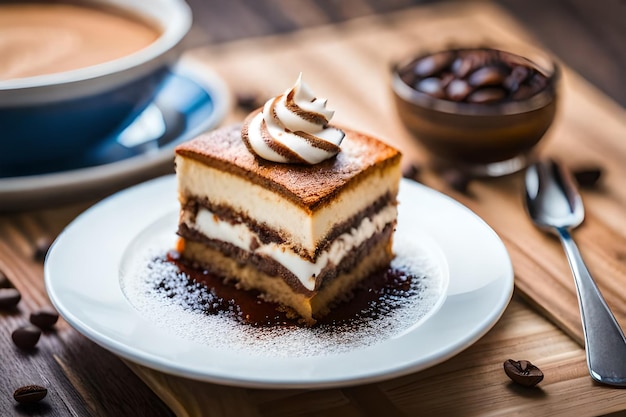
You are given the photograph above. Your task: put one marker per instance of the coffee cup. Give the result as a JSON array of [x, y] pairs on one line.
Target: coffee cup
[[74, 73]]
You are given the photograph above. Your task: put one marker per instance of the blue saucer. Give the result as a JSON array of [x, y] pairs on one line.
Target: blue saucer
[[191, 100]]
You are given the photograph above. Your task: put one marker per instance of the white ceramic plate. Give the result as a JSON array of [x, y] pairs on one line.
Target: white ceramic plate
[[193, 99], [82, 275]]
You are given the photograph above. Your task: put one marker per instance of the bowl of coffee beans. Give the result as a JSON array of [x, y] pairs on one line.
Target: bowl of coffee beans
[[480, 110]]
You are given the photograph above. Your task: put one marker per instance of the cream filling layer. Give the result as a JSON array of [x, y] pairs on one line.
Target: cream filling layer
[[242, 237], [274, 210]]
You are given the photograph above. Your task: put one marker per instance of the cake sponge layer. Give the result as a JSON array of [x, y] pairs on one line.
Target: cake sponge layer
[[301, 203]]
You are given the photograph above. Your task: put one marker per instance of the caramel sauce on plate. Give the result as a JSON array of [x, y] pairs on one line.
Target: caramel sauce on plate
[[367, 302]]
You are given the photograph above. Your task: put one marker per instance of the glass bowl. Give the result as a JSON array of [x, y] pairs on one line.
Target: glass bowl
[[478, 109]]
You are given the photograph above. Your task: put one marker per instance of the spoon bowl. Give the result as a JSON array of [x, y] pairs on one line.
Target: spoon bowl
[[554, 203], [552, 198]]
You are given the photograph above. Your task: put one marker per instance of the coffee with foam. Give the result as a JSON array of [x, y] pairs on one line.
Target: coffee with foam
[[39, 39]]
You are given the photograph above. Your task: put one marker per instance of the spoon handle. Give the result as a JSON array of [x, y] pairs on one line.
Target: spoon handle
[[604, 340]]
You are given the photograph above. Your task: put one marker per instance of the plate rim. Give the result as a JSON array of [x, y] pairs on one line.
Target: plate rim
[[150, 360]]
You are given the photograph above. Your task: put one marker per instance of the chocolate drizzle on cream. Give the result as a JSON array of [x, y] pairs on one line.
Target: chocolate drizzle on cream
[[293, 128]]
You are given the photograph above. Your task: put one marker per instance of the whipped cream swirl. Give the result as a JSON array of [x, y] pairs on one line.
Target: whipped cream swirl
[[293, 128]]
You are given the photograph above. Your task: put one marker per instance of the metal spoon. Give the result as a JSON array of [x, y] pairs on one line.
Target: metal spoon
[[554, 203]]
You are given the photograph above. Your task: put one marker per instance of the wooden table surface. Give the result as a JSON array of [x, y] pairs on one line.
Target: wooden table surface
[[86, 380]]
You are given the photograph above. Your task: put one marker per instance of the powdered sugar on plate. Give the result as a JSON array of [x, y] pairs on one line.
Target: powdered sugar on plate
[[164, 295]]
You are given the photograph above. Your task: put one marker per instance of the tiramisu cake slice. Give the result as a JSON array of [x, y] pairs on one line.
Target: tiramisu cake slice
[[287, 205]]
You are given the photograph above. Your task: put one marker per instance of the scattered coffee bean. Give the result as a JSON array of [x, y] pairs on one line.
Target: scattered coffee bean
[[459, 73], [9, 297], [523, 372], [26, 337], [44, 318], [249, 101], [30, 394], [456, 179], [4, 281], [42, 245], [587, 177], [412, 172]]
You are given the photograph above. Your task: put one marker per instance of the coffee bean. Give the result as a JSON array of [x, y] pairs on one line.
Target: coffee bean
[[26, 337], [9, 297], [487, 95], [455, 74], [30, 394], [486, 76], [587, 177], [249, 101], [446, 79], [461, 67], [4, 281], [470, 61], [458, 89], [433, 64], [516, 78], [523, 372], [537, 81], [523, 92], [42, 245], [431, 86], [456, 179], [412, 172], [44, 318]]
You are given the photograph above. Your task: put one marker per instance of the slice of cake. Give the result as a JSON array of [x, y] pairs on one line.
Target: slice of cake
[[288, 205]]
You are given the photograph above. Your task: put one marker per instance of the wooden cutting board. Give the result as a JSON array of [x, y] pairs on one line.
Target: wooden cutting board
[[349, 65]]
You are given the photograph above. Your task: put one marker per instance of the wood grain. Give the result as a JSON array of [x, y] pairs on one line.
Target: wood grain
[[61, 354], [470, 384], [585, 132], [587, 36], [473, 379], [346, 63]]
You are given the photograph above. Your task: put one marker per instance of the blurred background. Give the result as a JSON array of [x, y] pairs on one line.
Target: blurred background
[[589, 36]]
